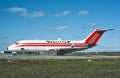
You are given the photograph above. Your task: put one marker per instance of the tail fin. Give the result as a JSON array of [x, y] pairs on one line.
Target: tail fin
[[94, 37]]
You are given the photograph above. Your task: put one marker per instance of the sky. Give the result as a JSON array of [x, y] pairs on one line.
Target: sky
[[67, 19]]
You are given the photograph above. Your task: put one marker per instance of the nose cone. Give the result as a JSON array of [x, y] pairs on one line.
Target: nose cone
[[11, 47]]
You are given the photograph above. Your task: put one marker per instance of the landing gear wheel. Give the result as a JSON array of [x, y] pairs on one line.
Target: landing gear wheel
[[60, 53]]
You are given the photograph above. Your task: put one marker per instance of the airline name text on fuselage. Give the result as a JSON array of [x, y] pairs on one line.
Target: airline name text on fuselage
[[58, 41]]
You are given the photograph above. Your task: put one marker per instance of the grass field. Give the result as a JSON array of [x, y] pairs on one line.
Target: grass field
[[71, 68]]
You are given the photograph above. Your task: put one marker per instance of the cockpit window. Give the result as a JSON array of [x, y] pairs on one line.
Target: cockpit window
[[16, 43]]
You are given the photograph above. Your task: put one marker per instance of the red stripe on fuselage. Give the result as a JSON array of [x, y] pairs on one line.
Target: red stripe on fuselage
[[76, 45], [43, 44], [79, 45]]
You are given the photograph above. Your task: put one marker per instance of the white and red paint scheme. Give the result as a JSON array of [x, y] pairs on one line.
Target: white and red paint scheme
[[59, 46]]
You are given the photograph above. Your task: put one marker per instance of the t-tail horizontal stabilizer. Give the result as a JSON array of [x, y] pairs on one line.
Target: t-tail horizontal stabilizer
[[108, 29], [94, 37]]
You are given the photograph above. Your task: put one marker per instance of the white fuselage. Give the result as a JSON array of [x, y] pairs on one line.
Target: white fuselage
[[59, 46], [45, 45]]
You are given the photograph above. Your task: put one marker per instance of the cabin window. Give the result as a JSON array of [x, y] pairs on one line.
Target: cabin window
[[48, 41]]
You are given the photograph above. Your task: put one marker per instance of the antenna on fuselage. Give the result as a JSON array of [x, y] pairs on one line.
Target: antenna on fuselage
[[59, 39]]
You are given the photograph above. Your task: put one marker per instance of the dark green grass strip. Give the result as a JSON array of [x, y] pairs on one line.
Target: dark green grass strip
[[100, 68]]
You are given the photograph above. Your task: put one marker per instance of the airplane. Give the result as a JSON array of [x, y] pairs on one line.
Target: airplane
[[59, 46]]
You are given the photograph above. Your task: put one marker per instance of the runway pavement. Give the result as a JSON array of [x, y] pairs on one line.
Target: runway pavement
[[10, 56]]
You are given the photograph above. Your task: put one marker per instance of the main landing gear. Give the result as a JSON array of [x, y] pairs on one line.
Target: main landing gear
[[60, 52]]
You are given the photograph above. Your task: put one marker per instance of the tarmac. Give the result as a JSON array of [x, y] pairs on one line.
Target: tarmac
[[11, 56]]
